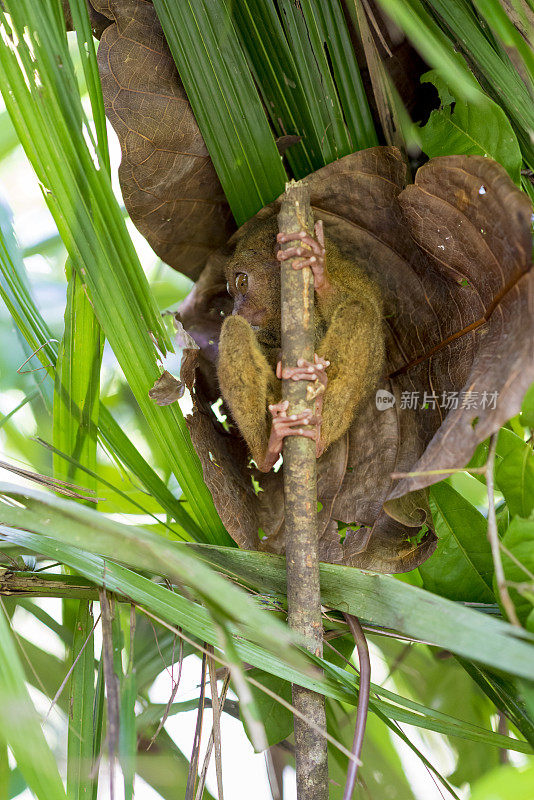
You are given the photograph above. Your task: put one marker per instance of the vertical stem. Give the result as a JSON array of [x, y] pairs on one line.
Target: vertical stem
[[493, 536], [300, 493]]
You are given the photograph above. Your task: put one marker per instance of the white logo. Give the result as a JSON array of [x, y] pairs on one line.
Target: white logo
[[384, 400]]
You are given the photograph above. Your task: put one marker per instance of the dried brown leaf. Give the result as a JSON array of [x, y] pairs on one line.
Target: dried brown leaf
[[166, 390], [168, 182]]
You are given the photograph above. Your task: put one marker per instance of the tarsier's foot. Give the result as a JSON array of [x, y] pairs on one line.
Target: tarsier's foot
[[308, 371], [292, 425], [313, 252], [303, 424]]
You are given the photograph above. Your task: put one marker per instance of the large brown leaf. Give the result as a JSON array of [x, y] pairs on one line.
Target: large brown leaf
[[452, 256], [168, 182]]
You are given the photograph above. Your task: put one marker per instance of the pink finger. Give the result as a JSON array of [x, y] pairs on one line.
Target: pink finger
[[306, 262], [308, 434], [319, 232], [298, 375], [311, 242]]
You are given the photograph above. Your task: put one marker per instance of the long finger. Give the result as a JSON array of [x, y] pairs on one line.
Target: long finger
[[303, 237], [318, 364], [319, 232], [292, 252], [308, 433], [280, 407], [311, 262], [298, 375], [320, 360], [289, 422]]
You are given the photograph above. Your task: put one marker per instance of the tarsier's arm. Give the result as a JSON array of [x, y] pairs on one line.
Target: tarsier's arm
[[251, 389]]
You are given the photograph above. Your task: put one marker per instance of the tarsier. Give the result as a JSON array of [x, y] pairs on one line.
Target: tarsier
[[349, 342]]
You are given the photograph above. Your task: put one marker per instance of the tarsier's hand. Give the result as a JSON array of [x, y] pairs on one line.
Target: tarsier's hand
[[307, 371], [313, 252]]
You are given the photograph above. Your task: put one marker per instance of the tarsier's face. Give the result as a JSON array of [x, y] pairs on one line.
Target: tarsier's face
[[254, 277]]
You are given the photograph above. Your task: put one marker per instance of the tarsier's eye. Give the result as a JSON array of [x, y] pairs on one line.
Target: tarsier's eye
[[241, 282]]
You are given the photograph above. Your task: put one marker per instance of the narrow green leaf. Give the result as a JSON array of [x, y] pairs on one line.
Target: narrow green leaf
[[504, 694], [462, 566], [502, 79], [45, 107], [170, 606], [4, 773], [77, 387], [25, 738], [87, 529], [87, 53], [502, 24], [348, 82], [248, 707], [28, 399], [128, 734], [99, 725], [432, 43], [16, 783], [8, 136], [81, 779], [225, 102], [121, 446], [276, 72], [389, 603], [14, 290], [303, 33], [285, 80]]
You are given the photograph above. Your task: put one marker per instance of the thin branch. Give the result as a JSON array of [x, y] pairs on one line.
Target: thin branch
[[300, 497], [219, 705], [363, 701], [107, 607], [34, 584], [493, 536], [192, 775], [444, 472], [216, 728], [170, 701], [516, 561], [71, 669]]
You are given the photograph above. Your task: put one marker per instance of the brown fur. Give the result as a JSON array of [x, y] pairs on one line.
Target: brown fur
[[348, 329]]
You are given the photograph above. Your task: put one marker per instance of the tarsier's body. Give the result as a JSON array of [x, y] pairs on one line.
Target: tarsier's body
[[349, 343]]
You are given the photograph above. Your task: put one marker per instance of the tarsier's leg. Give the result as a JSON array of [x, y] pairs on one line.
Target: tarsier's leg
[[354, 345], [247, 384]]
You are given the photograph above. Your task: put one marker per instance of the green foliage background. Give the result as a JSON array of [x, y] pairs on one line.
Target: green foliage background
[[83, 281]]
